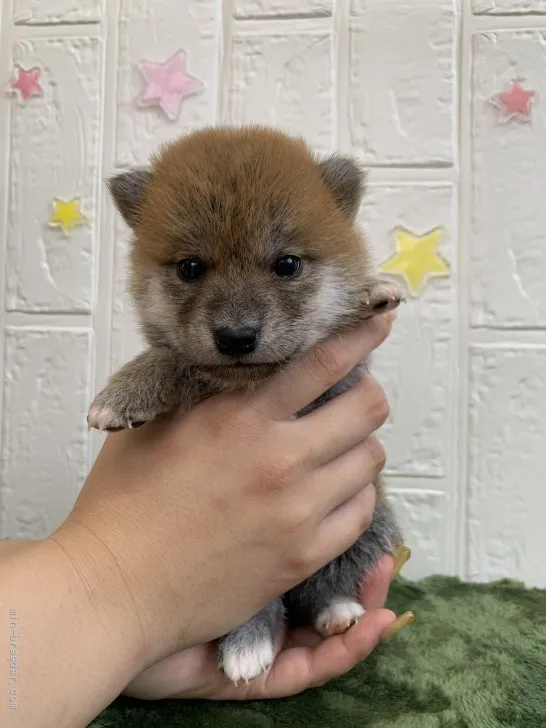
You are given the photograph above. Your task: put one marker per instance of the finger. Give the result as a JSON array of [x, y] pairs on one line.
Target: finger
[[374, 591], [341, 528], [188, 673], [335, 484], [360, 410], [302, 381], [300, 668]]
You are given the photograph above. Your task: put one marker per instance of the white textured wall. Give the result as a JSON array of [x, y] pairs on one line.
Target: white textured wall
[[405, 85]]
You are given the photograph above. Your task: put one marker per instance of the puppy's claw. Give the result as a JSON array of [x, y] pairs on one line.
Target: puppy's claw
[[403, 621], [400, 556]]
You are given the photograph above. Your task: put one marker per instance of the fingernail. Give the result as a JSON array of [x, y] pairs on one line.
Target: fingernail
[[391, 316], [401, 555], [404, 621]]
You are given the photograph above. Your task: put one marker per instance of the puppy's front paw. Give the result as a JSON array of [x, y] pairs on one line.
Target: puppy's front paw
[[338, 616], [383, 297], [246, 660], [112, 412]]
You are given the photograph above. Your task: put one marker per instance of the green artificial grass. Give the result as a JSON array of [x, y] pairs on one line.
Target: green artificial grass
[[474, 658]]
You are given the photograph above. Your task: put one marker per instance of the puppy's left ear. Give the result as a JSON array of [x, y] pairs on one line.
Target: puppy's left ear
[[128, 190], [346, 181]]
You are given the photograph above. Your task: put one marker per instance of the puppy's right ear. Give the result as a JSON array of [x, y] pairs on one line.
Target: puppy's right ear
[[128, 190]]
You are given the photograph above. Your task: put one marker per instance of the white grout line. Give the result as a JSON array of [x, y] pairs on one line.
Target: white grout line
[[46, 318], [465, 210], [64, 30], [5, 122], [223, 78], [105, 259], [340, 78], [309, 24], [485, 23], [507, 337]]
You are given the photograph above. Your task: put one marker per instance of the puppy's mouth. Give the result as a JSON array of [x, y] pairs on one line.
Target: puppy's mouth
[[241, 366]]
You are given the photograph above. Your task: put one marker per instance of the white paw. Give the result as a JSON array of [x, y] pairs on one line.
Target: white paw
[[384, 297], [100, 418], [338, 617], [246, 663], [105, 418]]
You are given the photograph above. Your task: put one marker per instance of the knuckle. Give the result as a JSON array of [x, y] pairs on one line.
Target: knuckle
[[275, 474], [376, 454], [367, 518], [380, 327], [378, 406], [300, 565], [270, 477], [325, 363], [295, 520]]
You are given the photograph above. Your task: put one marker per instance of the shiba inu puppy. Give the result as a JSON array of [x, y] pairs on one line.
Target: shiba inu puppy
[[245, 253]]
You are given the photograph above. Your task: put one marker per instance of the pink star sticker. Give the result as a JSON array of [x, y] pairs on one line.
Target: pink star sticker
[[168, 84], [515, 102], [25, 83]]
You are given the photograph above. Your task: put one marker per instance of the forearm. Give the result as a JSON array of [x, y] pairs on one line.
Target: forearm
[[69, 649]]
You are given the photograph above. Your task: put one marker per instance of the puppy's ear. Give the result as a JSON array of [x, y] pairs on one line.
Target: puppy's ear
[[346, 181], [128, 190]]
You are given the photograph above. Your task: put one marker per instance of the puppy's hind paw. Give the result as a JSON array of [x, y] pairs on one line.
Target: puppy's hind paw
[[341, 614], [246, 662]]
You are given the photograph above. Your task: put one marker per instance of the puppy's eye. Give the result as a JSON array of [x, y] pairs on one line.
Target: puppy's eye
[[190, 270], [287, 266]]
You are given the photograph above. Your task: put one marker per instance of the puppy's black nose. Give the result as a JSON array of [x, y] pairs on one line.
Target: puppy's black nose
[[238, 341]]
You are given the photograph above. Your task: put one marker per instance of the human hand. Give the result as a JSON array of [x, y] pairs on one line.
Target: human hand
[[234, 498], [304, 660]]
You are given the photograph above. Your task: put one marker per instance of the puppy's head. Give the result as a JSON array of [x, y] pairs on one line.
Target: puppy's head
[[245, 250]]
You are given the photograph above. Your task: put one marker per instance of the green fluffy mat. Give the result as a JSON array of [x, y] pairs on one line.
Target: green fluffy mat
[[475, 658]]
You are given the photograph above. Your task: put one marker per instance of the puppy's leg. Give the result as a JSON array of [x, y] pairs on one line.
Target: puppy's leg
[[146, 386], [249, 650], [329, 600]]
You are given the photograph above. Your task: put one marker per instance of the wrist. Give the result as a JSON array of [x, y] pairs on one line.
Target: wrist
[[73, 646], [99, 585]]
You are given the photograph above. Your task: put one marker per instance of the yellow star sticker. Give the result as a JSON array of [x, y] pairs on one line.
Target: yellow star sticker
[[67, 214], [417, 259]]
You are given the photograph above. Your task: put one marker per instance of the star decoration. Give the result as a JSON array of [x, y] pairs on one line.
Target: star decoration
[[417, 259], [515, 103], [25, 83], [67, 215], [168, 84]]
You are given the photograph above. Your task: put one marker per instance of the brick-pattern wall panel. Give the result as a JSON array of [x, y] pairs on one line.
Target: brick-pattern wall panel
[[275, 8], [507, 462], [283, 77], [54, 151], [154, 30], [126, 339], [509, 7], [44, 431], [416, 363], [422, 516], [57, 11], [401, 96], [508, 164]]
